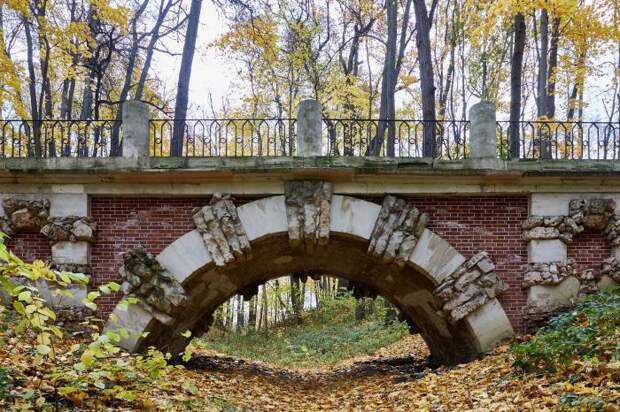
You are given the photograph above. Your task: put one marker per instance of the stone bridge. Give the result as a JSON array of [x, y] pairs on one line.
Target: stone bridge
[[470, 251]]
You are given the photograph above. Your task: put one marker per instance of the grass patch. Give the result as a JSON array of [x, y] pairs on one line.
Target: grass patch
[[325, 336]]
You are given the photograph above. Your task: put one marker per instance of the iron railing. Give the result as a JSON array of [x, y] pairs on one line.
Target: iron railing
[[341, 137], [225, 137], [395, 138], [561, 140], [277, 137], [59, 138]]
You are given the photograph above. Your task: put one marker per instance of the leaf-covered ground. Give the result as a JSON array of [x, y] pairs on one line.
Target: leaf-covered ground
[[395, 378], [573, 364]]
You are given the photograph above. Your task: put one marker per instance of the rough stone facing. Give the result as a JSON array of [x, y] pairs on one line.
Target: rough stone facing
[[69, 229], [397, 230], [472, 285], [222, 231], [308, 212], [611, 268], [24, 215], [551, 273], [592, 213], [157, 289], [550, 227], [72, 267]]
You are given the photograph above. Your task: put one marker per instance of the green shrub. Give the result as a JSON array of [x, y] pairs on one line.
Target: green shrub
[[591, 331]]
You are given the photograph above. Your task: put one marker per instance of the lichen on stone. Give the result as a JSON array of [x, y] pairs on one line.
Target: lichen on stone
[[469, 287], [549, 273], [308, 212], [611, 268], [396, 231], [25, 215], [144, 278], [69, 229], [222, 231]]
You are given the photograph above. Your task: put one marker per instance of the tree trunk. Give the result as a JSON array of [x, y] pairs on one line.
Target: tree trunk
[[240, 313], [516, 76], [388, 86], [180, 109], [553, 63], [427, 79], [34, 146], [252, 313], [297, 298]]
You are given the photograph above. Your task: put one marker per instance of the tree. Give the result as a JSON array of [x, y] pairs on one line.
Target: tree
[[424, 21], [182, 99]]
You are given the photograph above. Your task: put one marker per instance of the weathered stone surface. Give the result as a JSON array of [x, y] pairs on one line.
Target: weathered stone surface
[[472, 285], [69, 229], [588, 282], [26, 215], [550, 227], [157, 289], [222, 230], [592, 213], [611, 268], [72, 267], [551, 273], [308, 212], [397, 230], [6, 226], [546, 301], [612, 231]]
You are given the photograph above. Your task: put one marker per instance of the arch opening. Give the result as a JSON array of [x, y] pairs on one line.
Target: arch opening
[[410, 287]]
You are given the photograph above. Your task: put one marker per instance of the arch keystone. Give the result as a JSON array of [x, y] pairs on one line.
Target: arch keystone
[[308, 207]]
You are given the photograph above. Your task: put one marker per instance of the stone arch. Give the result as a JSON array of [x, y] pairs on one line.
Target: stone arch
[[413, 286]]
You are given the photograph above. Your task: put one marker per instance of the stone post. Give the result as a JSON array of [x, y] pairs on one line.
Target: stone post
[[483, 140], [135, 130], [309, 128]]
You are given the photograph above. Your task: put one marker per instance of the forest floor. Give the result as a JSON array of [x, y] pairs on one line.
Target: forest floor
[[392, 373]]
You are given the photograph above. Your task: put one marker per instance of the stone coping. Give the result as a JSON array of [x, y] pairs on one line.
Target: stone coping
[[369, 165]]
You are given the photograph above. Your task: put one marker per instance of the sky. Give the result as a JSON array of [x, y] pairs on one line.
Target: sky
[[211, 73], [214, 75]]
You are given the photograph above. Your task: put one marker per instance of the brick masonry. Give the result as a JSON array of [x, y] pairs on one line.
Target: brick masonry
[[471, 224], [486, 223], [588, 249]]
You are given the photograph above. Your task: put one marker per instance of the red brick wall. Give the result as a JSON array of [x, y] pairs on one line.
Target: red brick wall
[[30, 246], [469, 223], [126, 223], [486, 223], [588, 249]]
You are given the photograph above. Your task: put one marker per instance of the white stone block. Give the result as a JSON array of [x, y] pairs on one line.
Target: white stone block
[[70, 252], [263, 217], [135, 320], [435, 257], [489, 325], [550, 204], [353, 217], [68, 204], [548, 250], [55, 296], [546, 297], [185, 256]]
